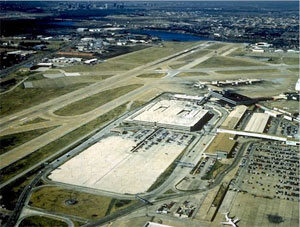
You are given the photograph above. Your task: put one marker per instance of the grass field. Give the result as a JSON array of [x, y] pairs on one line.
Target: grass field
[[177, 65], [192, 74], [51, 148], [22, 98], [94, 101], [248, 71], [120, 204], [216, 46], [104, 66], [35, 121], [220, 62], [152, 75], [88, 206], [214, 171], [18, 76], [136, 104], [219, 196], [284, 60], [152, 54], [42, 221], [134, 59], [239, 52], [53, 199], [194, 55], [11, 192], [67, 81], [294, 70], [9, 142]]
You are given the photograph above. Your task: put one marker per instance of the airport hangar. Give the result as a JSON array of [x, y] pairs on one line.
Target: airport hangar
[[175, 114]]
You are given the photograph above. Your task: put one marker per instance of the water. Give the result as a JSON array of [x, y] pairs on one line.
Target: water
[[60, 23], [170, 36]]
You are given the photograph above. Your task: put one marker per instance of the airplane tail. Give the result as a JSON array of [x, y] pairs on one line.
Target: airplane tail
[[236, 220]]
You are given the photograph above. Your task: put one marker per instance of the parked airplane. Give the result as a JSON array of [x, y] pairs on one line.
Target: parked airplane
[[229, 221]]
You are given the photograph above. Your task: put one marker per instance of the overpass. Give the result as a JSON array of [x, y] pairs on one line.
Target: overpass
[[260, 135]]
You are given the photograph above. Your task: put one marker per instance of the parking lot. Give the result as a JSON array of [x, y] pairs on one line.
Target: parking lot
[[265, 191], [287, 128], [126, 162], [272, 171]]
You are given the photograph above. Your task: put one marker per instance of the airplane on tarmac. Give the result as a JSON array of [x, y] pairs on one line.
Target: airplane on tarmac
[[229, 220]]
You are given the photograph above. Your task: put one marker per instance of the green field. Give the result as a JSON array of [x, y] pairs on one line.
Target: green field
[[90, 103], [53, 199], [248, 71], [195, 55], [217, 168], [21, 98], [53, 147], [177, 65], [42, 221], [239, 52], [220, 62], [284, 60], [62, 82], [9, 142], [294, 70], [11, 192], [154, 53], [134, 59], [88, 206], [185, 74], [35, 121], [152, 75], [216, 46], [103, 67]]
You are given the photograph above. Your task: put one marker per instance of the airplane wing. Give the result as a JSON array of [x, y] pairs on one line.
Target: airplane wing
[[226, 223]]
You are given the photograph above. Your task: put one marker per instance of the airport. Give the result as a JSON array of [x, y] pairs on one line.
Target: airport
[[150, 142]]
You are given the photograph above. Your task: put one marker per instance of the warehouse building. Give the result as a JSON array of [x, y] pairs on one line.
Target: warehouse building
[[257, 122], [222, 146], [174, 114]]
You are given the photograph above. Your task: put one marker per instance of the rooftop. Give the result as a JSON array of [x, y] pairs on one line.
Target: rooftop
[[171, 112], [234, 117], [223, 142], [257, 122]]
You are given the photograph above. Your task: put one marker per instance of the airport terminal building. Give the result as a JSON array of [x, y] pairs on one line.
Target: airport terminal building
[[172, 114]]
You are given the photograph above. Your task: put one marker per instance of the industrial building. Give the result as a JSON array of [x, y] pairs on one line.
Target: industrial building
[[234, 117], [173, 114], [232, 97], [257, 122], [222, 146]]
